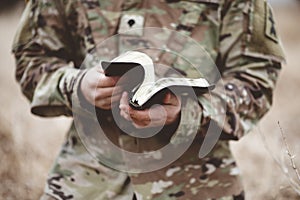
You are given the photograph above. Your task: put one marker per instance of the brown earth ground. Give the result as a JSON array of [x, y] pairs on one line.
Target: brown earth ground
[[29, 144]]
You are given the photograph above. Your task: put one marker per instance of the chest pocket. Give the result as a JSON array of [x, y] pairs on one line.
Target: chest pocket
[[102, 18], [200, 20]]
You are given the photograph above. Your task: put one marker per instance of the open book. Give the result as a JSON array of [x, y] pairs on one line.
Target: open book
[[146, 90]]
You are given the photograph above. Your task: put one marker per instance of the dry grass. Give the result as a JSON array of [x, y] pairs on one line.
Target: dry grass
[[295, 178], [28, 144]]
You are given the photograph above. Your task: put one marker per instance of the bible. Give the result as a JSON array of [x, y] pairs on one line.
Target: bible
[[145, 88]]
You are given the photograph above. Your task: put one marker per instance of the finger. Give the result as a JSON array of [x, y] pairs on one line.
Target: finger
[[155, 113], [167, 98], [99, 69], [140, 119], [164, 115], [115, 99], [116, 78], [118, 90], [107, 102], [103, 103], [158, 113], [148, 123], [105, 81], [125, 115], [124, 106], [173, 113], [141, 124], [124, 101], [139, 115], [171, 99], [112, 100], [107, 92]]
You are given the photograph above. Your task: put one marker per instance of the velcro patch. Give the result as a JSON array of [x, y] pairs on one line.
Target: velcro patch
[[131, 24], [270, 26], [263, 41]]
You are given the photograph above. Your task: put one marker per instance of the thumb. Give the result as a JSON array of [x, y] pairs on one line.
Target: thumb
[[167, 98], [171, 99], [124, 101]]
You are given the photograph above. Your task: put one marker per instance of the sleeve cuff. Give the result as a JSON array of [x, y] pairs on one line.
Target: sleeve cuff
[[54, 92], [190, 122]]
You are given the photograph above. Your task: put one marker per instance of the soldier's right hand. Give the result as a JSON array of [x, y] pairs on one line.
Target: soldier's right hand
[[100, 90]]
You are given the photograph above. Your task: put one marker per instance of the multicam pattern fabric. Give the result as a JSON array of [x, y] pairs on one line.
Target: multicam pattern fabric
[[53, 38]]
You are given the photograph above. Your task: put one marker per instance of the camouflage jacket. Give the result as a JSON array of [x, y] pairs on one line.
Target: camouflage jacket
[[240, 36]]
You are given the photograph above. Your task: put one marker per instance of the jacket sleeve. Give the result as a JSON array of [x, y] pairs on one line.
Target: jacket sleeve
[[250, 57], [46, 55]]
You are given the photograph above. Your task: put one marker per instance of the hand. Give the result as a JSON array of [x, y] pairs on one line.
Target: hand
[[158, 115], [100, 90]]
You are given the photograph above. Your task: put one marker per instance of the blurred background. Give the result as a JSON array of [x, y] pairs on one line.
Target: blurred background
[[29, 144]]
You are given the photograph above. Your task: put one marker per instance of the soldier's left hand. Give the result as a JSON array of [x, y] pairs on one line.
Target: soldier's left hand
[[158, 115]]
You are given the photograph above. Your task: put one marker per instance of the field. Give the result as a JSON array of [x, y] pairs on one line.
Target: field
[[29, 144]]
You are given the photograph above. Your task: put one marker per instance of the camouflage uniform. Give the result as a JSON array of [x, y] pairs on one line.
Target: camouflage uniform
[[55, 35]]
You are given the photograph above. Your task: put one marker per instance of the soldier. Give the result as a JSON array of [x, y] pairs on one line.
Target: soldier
[[53, 38]]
